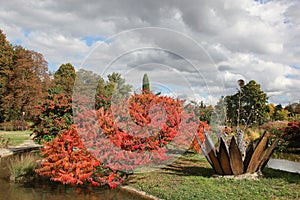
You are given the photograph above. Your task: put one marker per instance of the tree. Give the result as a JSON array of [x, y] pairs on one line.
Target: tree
[[26, 82], [116, 85], [88, 83], [6, 62], [202, 111], [64, 78], [146, 84], [115, 88], [219, 114], [293, 108], [271, 110], [280, 113], [248, 105]]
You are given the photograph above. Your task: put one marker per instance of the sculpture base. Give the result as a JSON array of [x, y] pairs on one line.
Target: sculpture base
[[250, 176]]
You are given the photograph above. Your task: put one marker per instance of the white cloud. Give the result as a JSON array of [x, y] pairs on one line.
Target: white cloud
[[243, 39]]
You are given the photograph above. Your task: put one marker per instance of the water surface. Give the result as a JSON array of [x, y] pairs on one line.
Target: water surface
[[46, 190]]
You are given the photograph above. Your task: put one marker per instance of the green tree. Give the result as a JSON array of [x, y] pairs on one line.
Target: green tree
[[280, 113], [116, 85], [88, 83], [146, 84], [64, 78], [202, 111], [248, 105], [114, 88]]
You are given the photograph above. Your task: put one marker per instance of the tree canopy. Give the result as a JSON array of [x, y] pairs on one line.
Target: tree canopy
[[247, 106], [64, 78], [24, 79]]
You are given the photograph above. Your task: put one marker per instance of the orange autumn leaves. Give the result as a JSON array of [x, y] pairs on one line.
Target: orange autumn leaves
[[67, 161], [131, 133]]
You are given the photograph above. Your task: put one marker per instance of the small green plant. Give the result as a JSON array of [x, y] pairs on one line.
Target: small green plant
[[22, 166]]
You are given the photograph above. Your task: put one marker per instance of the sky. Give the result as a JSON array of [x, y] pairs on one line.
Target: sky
[[194, 49]]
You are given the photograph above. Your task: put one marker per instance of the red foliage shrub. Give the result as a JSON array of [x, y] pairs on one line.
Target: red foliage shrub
[[200, 133], [138, 131], [67, 161], [291, 135], [133, 132]]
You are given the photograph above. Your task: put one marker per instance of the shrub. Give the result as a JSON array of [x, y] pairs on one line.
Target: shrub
[[106, 144], [274, 127], [136, 131], [55, 117], [68, 161], [290, 137]]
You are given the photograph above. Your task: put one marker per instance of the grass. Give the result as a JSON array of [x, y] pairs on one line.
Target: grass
[[22, 165], [190, 178], [16, 137], [287, 156]]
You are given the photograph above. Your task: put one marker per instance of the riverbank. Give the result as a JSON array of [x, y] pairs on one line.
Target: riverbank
[[26, 146]]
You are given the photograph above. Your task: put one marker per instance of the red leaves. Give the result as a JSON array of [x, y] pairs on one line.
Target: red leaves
[[131, 133], [200, 133], [68, 162], [290, 135]]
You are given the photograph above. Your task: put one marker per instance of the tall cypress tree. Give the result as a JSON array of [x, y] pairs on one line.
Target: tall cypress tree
[[146, 84]]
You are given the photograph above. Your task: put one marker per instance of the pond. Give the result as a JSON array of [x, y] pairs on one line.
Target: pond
[[284, 165], [49, 190]]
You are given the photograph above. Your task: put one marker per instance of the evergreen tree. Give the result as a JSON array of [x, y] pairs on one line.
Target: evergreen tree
[[64, 78], [146, 84]]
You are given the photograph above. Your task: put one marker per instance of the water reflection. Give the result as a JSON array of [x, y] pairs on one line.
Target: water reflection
[[284, 165], [46, 190], [11, 191]]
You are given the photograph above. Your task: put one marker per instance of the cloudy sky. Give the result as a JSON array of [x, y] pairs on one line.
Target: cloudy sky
[[196, 49]]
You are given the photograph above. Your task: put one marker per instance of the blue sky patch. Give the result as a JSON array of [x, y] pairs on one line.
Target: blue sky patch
[[295, 66], [89, 40], [262, 1]]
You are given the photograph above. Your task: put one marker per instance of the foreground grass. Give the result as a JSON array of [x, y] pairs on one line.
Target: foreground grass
[[16, 137], [190, 178], [22, 166]]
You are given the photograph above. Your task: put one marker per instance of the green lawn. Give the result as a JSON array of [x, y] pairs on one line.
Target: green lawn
[[190, 178], [16, 137]]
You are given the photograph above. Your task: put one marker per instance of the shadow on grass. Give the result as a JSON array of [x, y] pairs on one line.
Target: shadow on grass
[[190, 164], [188, 171], [278, 174]]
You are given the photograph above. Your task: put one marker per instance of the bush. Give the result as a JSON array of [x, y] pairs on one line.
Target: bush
[[274, 127], [55, 118], [290, 137], [142, 129], [106, 144], [66, 160]]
